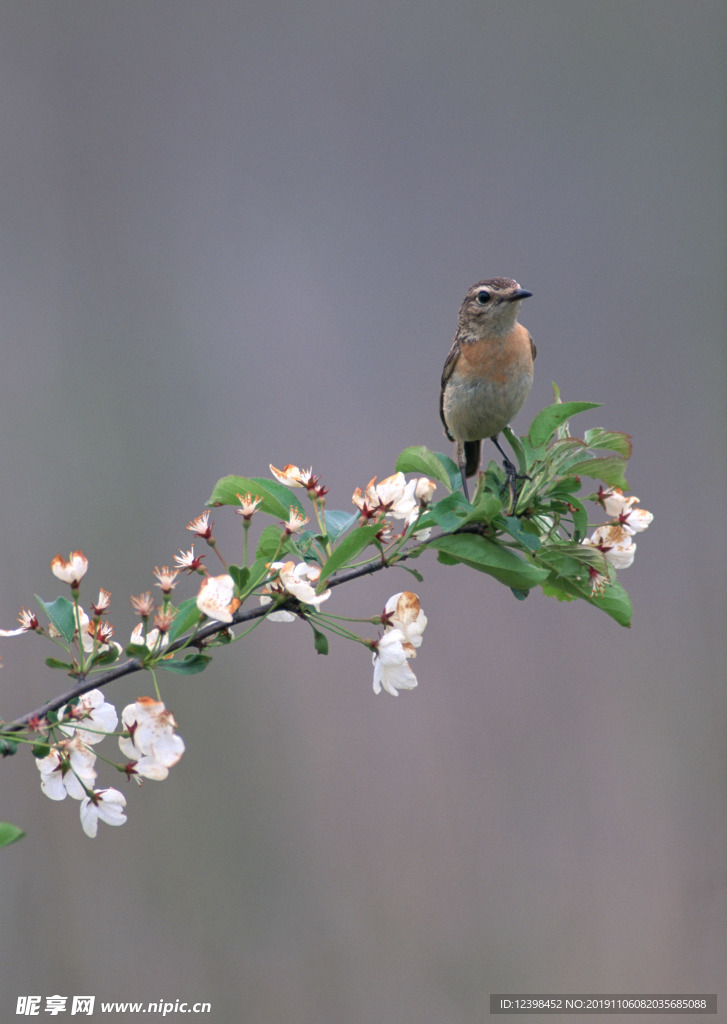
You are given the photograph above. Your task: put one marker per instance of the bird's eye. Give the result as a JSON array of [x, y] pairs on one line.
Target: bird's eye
[[483, 297]]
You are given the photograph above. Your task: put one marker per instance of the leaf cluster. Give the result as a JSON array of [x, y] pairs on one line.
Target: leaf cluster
[[532, 538]]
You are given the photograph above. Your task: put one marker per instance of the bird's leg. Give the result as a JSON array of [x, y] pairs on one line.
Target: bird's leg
[[511, 474], [461, 465]]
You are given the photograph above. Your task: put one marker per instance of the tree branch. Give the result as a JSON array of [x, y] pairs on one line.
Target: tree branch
[[212, 629]]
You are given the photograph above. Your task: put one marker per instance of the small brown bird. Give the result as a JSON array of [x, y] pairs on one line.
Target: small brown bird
[[488, 373]]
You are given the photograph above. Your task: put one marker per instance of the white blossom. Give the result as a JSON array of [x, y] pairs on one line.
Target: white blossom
[[391, 668], [105, 805], [68, 770], [90, 718]]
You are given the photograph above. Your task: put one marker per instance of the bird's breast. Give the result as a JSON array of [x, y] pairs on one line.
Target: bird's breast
[[488, 385]]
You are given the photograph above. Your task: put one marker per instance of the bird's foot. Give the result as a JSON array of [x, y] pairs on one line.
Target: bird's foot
[[512, 477]]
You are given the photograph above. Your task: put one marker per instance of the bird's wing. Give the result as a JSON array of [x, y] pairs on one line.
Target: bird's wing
[[449, 364], [533, 349]]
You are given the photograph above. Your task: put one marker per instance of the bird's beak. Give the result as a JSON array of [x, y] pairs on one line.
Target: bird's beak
[[520, 294]]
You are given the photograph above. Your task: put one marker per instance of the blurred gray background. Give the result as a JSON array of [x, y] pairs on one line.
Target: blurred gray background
[[239, 233]]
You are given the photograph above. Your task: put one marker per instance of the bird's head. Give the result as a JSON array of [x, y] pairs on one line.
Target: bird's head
[[491, 307]]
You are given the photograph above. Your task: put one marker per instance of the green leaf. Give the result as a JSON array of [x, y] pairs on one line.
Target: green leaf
[[551, 589], [300, 545], [274, 543], [9, 833], [338, 523], [57, 663], [419, 459], [519, 532], [348, 549], [413, 572], [240, 574], [610, 469], [570, 579], [580, 517], [615, 602], [614, 441], [7, 746], [277, 498], [269, 543], [518, 448], [189, 666], [61, 614], [568, 559], [106, 657], [487, 556], [450, 512], [138, 651], [187, 618], [549, 419], [320, 641], [486, 507], [564, 488], [562, 452]]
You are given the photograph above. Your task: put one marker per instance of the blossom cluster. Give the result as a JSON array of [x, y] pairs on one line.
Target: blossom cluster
[[405, 622], [65, 741], [392, 498], [147, 741], [615, 539], [395, 497]]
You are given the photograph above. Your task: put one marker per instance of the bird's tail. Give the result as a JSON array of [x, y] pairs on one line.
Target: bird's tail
[[471, 457]]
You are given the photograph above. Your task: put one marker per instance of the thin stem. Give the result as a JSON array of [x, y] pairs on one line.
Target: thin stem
[[77, 617], [156, 684]]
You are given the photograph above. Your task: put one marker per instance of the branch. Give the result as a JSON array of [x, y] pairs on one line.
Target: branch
[[197, 640], [528, 530]]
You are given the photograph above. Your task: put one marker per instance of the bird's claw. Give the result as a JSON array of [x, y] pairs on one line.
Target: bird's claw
[[511, 481]]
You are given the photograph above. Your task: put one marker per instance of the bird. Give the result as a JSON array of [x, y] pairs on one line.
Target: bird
[[488, 373]]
